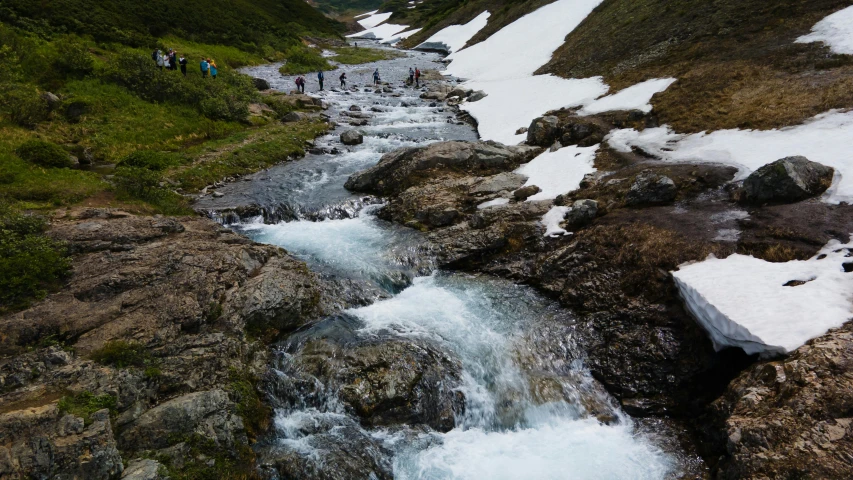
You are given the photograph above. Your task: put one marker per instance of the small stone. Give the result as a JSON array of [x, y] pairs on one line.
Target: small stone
[[650, 188], [582, 213], [355, 108], [524, 193]]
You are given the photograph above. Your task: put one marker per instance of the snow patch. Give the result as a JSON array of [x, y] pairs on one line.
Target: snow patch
[[825, 138], [636, 97], [744, 302], [401, 36], [382, 32], [454, 37], [374, 19], [552, 220], [835, 30], [493, 203], [560, 171]]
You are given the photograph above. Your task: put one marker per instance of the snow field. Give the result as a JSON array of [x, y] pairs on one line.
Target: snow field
[[381, 32], [825, 138], [835, 30], [744, 302], [455, 37], [373, 19]]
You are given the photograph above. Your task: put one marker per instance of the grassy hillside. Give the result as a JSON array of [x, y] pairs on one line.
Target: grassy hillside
[[247, 24], [336, 7], [736, 62]]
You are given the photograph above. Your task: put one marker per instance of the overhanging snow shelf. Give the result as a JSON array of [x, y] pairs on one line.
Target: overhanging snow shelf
[[769, 308]]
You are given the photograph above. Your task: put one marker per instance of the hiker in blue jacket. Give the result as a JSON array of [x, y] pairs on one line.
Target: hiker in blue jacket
[[320, 78], [205, 67]]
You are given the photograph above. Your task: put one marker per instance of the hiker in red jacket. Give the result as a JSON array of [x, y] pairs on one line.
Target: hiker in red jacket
[[300, 84]]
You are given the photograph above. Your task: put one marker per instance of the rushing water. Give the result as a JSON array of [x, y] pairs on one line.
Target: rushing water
[[532, 411]]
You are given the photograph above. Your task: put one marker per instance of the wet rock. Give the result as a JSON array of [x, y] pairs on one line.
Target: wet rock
[[524, 193], [261, 84], [357, 122], [210, 414], [787, 180], [143, 469], [340, 451], [459, 92], [650, 188], [790, 418], [543, 131], [354, 108], [384, 381], [400, 169], [352, 137], [582, 213], [40, 442]]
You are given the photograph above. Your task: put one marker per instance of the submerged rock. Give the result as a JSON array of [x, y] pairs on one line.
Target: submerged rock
[[352, 137], [790, 179], [384, 381]]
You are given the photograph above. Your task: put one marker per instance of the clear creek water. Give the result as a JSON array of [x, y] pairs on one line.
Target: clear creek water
[[532, 411]]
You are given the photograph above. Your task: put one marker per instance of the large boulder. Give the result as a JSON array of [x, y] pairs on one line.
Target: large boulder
[[261, 84], [352, 137], [543, 131], [791, 418], [400, 169], [651, 189], [787, 180], [209, 414], [582, 213], [383, 381]]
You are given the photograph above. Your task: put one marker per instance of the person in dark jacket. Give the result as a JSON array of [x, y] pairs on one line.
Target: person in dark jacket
[[300, 84], [183, 63], [376, 78], [418, 78], [320, 77], [344, 80]]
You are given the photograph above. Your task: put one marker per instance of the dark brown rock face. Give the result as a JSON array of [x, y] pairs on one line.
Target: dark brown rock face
[[787, 180]]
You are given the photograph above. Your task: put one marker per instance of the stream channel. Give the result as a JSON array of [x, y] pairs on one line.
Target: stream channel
[[479, 378]]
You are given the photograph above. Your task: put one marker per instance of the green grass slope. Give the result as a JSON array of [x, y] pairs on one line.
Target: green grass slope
[[247, 24], [335, 7]]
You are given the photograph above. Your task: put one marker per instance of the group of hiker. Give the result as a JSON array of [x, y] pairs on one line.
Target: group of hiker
[[170, 61], [414, 79]]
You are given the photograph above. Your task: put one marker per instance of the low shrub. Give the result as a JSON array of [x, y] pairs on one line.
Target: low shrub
[[45, 154], [302, 59], [148, 159], [24, 105], [73, 58], [85, 404], [121, 354], [31, 263]]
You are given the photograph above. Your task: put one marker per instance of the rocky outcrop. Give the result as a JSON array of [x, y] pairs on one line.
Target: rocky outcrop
[[583, 212], [791, 418], [524, 193], [209, 414], [261, 84], [144, 469], [174, 298], [543, 131], [787, 180], [399, 170], [650, 188], [42, 442]]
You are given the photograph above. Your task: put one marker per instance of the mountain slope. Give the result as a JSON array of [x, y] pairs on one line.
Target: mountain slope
[[342, 6], [247, 24]]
